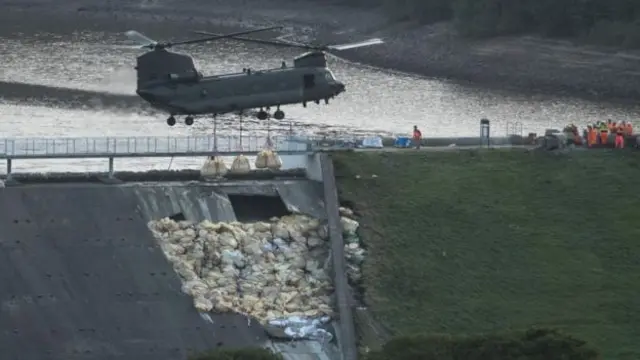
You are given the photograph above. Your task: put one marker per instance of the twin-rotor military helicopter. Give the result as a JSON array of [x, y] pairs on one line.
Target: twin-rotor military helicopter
[[170, 82]]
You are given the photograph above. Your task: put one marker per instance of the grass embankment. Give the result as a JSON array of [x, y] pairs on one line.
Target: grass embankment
[[467, 242]]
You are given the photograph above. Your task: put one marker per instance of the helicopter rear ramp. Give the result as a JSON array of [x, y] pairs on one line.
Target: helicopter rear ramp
[[82, 278]]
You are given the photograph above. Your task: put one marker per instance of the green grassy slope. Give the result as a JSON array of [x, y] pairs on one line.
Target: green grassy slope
[[466, 242]]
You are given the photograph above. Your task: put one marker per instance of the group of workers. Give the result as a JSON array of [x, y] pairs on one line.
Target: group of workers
[[598, 133], [595, 134]]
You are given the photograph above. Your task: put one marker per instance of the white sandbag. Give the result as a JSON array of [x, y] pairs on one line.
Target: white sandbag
[[273, 161], [240, 165], [346, 212], [213, 167], [261, 159], [349, 226]]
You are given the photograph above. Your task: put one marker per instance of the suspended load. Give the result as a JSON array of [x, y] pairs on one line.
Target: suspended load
[[261, 159], [213, 167], [268, 159], [240, 165], [273, 161]]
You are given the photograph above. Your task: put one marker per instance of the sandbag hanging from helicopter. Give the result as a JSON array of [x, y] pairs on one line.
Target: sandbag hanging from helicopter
[[268, 159], [240, 165], [261, 159], [274, 162], [213, 167]]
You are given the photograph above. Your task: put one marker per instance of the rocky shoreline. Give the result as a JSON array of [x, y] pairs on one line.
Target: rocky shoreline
[[520, 64]]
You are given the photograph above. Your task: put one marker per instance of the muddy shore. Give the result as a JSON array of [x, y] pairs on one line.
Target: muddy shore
[[521, 64]]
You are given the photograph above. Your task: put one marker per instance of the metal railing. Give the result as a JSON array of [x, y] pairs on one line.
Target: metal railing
[[514, 128], [144, 146]]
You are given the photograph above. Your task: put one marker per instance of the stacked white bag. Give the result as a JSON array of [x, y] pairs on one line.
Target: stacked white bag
[[213, 167], [268, 159], [240, 165]]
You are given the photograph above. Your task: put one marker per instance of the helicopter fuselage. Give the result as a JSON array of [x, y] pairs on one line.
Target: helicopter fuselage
[[190, 93]]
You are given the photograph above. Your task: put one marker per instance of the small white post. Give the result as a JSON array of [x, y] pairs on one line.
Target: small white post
[[111, 173]]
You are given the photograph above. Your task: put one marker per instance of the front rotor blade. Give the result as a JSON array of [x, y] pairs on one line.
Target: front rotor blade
[[224, 36], [259, 41], [356, 45], [139, 38]]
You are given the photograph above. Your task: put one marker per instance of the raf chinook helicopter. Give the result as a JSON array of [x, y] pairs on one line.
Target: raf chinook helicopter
[[170, 81]]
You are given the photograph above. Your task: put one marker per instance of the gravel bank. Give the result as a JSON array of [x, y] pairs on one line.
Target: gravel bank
[[522, 63]]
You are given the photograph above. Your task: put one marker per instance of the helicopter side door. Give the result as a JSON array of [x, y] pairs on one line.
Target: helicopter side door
[[309, 81]]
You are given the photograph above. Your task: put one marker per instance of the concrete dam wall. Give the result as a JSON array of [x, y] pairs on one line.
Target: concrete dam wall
[[83, 278]]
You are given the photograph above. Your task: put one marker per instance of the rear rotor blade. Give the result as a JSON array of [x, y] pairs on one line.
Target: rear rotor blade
[[140, 39], [259, 41], [369, 42], [224, 36]]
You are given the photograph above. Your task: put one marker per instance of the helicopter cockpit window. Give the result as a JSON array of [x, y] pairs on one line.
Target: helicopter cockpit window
[[329, 76]]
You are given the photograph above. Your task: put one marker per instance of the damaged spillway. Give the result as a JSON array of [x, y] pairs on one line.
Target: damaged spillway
[[270, 271], [83, 277]]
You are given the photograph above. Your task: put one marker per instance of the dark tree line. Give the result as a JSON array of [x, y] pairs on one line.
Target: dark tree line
[[608, 22]]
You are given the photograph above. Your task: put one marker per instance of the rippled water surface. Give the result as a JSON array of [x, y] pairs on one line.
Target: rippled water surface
[[375, 101]]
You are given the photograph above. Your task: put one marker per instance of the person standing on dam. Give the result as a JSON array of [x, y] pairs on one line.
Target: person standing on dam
[[417, 137], [592, 136], [620, 132], [604, 133]]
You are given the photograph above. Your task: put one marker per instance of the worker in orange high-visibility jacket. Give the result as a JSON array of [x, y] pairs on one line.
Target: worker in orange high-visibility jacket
[[620, 138], [417, 137], [592, 136], [604, 134]]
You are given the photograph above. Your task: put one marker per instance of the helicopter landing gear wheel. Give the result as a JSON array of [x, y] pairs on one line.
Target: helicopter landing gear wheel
[[262, 115], [171, 121], [188, 120], [278, 115]]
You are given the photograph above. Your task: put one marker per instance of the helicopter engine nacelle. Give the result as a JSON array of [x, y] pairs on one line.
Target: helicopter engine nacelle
[[311, 59]]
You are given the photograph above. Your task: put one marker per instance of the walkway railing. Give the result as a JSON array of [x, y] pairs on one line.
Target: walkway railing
[[148, 146], [514, 128]]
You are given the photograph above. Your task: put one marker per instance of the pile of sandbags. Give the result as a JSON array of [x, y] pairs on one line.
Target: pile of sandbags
[[266, 270], [213, 167], [268, 159], [353, 251]]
